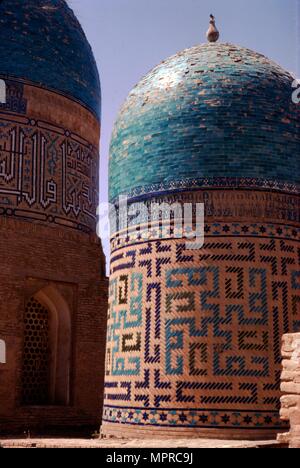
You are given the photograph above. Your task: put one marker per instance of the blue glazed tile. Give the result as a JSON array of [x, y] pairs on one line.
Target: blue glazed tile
[[215, 110], [42, 41]]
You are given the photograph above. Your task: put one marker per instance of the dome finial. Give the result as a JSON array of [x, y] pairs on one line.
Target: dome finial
[[212, 33]]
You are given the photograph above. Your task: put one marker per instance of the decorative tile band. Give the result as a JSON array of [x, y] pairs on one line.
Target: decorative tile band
[[150, 191], [159, 233], [219, 206], [193, 418]]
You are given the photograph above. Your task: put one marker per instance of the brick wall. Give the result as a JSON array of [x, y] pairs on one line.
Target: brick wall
[[49, 151], [290, 386], [34, 257]]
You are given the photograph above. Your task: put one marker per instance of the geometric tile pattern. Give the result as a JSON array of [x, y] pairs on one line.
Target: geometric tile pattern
[[194, 336], [194, 418], [64, 62], [200, 331], [211, 230]]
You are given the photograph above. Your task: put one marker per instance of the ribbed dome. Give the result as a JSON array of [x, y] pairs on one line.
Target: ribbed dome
[[42, 41], [212, 111]]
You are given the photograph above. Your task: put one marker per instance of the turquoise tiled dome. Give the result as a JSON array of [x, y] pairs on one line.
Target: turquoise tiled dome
[[210, 114], [42, 41]]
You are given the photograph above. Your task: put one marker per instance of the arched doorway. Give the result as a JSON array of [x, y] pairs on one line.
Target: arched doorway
[[47, 350]]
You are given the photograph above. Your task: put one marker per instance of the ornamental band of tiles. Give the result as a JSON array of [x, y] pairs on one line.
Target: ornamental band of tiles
[[193, 343], [52, 267]]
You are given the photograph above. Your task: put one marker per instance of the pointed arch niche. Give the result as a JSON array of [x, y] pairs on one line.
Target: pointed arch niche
[[47, 349]]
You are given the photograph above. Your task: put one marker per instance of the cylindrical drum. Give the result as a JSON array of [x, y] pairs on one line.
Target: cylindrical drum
[[194, 335]]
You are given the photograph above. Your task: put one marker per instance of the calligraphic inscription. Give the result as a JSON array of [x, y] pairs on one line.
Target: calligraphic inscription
[[47, 174]]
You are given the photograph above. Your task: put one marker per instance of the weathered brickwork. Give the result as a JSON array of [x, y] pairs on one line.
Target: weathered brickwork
[[70, 263], [50, 254], [63, 61], [228, 212], [194, 336], [290, 386]]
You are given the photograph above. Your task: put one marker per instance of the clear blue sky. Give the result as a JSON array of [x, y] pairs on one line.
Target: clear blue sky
[[129, 37]]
